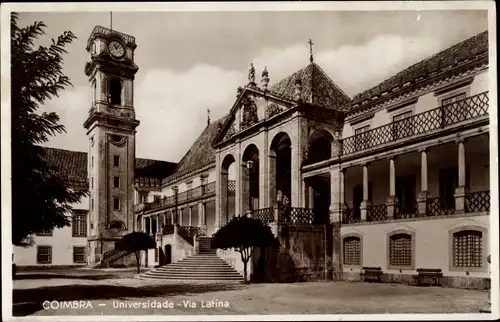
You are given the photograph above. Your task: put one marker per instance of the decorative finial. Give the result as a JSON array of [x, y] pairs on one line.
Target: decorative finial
[[111, 20], [311, 59], [265, 78], [251, 75], [238, 91], [208, 116]]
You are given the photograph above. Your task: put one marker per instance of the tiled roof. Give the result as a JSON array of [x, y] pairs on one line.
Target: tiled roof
[[467, 50], [317, 88], [72, 167], [201, 153]]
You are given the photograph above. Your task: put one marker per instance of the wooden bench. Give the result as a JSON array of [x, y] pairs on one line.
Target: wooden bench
[[372, 274], [428, 276]]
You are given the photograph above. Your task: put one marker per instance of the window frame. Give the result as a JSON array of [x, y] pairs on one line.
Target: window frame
[[116, 182], [114, 205], [116, 160], [84, 228], [360, 238], [83, 255], [38, 248], [413, 251], [484, 246]]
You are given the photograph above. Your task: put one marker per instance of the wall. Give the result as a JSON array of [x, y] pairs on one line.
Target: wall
[[181, 249], [233, 258], [431, 248]]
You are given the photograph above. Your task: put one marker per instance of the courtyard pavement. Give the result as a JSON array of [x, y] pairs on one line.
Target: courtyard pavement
[[103, 290]]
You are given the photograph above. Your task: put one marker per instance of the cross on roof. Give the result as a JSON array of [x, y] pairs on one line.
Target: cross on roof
[[311, 50]]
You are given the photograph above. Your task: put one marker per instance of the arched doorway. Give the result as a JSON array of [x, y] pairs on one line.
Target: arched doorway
[[227, 207], [168, 254], [280, 170], [250, 178]]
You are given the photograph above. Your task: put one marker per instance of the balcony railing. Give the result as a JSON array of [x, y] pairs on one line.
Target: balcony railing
[[407, 210], [183, 197], [466, 109], [440, 207], [477, 201], [377, 213], [348, 216], [266, 215]]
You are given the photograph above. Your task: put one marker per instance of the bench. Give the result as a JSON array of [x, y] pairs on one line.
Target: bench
[[428, 276], [372, 274]]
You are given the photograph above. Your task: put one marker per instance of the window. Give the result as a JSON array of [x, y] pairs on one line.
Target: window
[[400, 250], [115, 91], [116, 203], [454, 109], [78, 254], [94, 91], [189, 186], [92, 162], [116, 182], [402, 125], [352, 251], [92, 182], [157, 254], [79, 226], [44, 254], [157, 198], [116, 160], [467, 248], [46, 233], [92, 204], [142, 198], [362, 137]]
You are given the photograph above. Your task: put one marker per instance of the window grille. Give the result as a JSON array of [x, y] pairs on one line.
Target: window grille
[[467, 248], [352, 251], [400, 250], [78, 254], [44, 254]]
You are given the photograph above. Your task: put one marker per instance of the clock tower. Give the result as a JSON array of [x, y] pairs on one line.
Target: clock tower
[[111, 127]]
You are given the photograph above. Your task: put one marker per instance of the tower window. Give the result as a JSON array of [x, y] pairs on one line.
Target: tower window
[[116, 203], [116, 160], [116, 182], [115, 91], [92, 162], [92, 182]]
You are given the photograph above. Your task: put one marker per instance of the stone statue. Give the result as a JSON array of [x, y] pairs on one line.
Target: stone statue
[[251, 74]]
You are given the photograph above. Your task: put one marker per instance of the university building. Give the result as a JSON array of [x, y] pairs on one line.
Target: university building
[[395, 178]]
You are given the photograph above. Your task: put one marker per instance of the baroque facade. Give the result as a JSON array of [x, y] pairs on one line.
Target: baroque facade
[[395, 178]]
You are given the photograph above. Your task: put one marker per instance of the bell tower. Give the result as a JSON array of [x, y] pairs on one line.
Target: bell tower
[[111, 127]]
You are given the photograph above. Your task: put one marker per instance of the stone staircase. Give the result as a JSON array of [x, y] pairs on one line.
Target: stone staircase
[[205, 265], [110, 256]]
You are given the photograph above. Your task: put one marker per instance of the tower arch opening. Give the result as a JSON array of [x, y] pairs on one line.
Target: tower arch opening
[[115, 91]]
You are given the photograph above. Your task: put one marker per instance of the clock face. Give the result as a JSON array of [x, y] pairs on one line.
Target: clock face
[[116, 49]]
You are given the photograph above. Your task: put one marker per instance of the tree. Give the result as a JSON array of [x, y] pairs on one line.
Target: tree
[[243, 234], [41, 199], [135, 242]]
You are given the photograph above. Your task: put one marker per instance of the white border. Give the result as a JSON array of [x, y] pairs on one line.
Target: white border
[[7, 8]]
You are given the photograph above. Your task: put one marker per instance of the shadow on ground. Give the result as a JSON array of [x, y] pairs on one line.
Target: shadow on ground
[[29, 301], [55, 276]]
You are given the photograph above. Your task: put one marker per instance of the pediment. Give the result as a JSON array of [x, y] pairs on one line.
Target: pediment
[[252, 106]]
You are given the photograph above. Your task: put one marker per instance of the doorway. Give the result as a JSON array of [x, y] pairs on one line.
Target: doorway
[[168, 254]]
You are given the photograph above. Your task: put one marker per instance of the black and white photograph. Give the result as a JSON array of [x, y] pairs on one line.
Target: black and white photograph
[[246, 161]]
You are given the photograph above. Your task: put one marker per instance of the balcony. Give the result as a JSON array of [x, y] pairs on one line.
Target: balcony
[[475, 202], [442, 117]]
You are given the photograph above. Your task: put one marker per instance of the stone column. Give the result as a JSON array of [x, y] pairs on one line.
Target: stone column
[[218, 192], [245, 188], [297, 154], [263, 174], [271, 179], [201, 215], [310, 196], [172, 217], [423, 194], [190, 214], [336, 193], [238, 210], [151, 225], [392, 199], [460, 191], [180, 215], [365, 204]]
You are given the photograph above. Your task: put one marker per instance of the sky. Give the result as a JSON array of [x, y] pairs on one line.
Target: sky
[[193, 61]]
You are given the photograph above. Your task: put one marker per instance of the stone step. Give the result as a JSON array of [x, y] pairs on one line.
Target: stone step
[[205, 278], [193, 268], [211, 275]]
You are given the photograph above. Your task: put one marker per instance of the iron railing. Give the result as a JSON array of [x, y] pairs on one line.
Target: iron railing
[[377, 213], [189, 232], [266, 215], [183, 197], [408, 210], [296, 215], [438, 118], [440, 207], [168, 229], [348, 216], [477, 201]]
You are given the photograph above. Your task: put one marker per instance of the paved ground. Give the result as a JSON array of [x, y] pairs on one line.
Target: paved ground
[[105, 289]]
